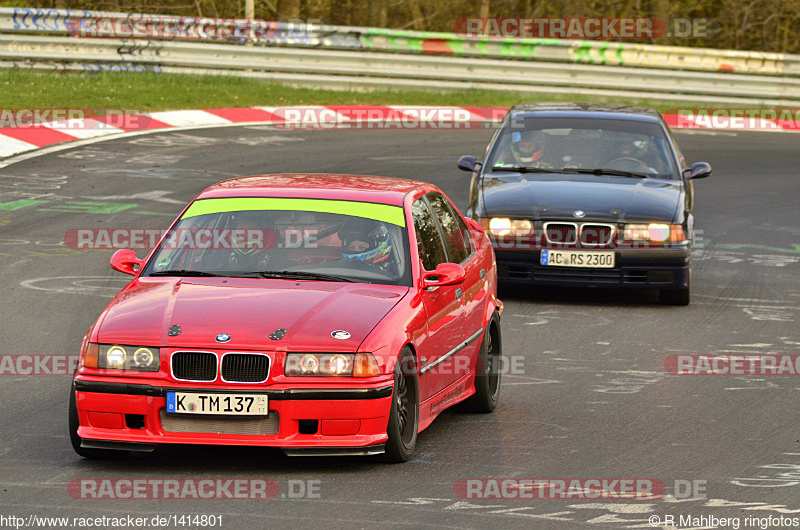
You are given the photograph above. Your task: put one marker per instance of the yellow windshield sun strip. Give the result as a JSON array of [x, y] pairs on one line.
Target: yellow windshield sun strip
[[368, 210]]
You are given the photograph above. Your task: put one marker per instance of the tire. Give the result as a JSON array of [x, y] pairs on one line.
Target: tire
[[102, 454], [680, 296], [487, 376], [404, 413], [674, 296]]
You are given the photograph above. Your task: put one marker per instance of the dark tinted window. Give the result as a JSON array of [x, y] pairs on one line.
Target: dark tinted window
[[564, 143], [429, 243], [454, 232]]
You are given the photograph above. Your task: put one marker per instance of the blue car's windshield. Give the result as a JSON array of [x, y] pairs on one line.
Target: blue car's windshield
[[570, 144]]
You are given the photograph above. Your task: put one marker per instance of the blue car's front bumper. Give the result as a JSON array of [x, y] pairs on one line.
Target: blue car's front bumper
[[654, 268]]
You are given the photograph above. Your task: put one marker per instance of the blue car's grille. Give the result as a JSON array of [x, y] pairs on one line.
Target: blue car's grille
[[561, 233]]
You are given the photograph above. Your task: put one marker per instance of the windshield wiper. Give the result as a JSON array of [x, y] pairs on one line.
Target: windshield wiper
[[183, 272], [524, 169], [301, 275], [612, 172]]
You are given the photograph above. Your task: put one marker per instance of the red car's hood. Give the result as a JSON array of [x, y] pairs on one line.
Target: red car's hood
[[248, 310]]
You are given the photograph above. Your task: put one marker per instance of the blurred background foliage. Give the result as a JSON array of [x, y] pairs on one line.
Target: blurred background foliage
[[766, 25]]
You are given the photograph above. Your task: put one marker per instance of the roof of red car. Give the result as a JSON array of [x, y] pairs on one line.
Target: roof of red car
[[368, 188]]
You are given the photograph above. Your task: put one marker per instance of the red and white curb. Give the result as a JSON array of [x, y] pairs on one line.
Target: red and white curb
[[16, 140]]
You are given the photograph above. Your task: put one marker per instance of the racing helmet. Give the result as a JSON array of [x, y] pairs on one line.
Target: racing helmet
[[250, 232], [366, 241], [527, 146]]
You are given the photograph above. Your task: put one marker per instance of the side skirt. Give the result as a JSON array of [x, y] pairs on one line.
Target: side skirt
[[455, 393]]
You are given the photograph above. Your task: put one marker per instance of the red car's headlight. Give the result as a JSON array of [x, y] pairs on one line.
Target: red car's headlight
[[116, 357], [331, 364]]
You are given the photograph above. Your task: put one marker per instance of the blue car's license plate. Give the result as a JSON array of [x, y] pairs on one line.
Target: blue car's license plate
[[578, 258]]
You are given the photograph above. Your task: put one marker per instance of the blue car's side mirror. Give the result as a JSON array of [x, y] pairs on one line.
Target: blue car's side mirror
[[699, 170], [468, 163]]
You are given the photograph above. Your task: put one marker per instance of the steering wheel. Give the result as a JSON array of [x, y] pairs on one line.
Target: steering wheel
[[626, 163]]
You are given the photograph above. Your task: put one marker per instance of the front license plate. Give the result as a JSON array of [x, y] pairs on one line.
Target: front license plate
[[577, 258], [233, 404]]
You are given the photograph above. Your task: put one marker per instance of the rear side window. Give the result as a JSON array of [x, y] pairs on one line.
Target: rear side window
[[455, 233], [429, 243]]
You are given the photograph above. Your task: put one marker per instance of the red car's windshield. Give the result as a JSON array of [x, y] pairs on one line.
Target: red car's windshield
[[367, 244]]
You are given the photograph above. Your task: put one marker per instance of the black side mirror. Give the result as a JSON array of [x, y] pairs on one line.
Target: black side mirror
[[699, 170], [469, 163]]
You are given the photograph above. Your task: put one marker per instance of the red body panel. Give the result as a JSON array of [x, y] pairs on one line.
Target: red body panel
[[381, 319]]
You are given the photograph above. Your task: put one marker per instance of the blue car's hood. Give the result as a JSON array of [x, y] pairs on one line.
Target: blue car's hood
[[557, 196]]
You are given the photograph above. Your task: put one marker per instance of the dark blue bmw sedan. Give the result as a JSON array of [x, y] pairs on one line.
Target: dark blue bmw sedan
[[587, 194]]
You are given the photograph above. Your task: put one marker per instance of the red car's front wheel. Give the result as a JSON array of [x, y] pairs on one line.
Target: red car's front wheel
[[404, 414]]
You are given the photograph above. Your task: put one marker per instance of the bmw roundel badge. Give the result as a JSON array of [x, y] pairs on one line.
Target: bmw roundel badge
[[340, 334], [222, 337], [578, 213]]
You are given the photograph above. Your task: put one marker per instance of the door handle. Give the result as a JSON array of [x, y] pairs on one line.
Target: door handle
[[459, 293], [483, 273]]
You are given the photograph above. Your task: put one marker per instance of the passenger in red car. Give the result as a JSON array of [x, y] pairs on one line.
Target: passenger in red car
[[251, 249]]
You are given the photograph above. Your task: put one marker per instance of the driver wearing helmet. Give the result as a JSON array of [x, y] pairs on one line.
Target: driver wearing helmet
[[251, 242], [527, 148], [366, 241]]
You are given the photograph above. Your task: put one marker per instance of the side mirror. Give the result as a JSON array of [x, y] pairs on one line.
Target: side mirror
[[445, 274], [699, 170], [124, 260], [469, 163]]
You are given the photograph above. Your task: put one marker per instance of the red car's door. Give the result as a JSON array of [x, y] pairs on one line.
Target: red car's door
[[461, 250], [443, 306]]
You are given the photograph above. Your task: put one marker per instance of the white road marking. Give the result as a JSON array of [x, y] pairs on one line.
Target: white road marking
[[84, 128], [10, 146], [154, 195], [184, 118]]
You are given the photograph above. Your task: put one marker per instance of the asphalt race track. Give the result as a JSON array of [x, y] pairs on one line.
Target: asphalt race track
[[585, 394]]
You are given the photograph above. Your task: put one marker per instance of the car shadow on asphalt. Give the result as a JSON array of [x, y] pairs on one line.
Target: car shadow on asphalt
[[219, 461], [577, 295], [243, 461]]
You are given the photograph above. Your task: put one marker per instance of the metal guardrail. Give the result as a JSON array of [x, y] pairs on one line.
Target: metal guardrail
[[334, 57], [582, 51]]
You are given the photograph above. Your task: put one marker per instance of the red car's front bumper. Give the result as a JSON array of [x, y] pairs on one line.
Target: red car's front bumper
[[314, 420]]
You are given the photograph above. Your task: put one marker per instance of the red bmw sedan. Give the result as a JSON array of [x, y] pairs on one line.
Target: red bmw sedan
[[322, 314]]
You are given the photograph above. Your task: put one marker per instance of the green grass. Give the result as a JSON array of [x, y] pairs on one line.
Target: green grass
[[147, 91]]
